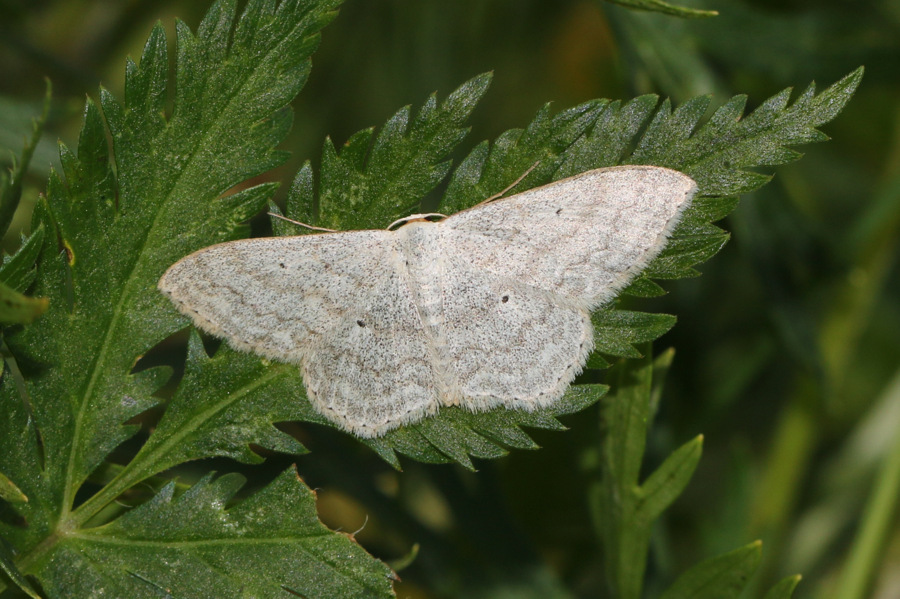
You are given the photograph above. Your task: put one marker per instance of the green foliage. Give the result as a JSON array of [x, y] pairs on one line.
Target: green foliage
[[721, 577], [17, 271], [626, 509], [111, 223], [11, 183], [269, 543], [717, 154], [119, 229]]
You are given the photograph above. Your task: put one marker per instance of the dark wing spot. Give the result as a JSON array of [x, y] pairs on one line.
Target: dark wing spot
[[361, 324], [281, 264], [559, 211], [504, 299]]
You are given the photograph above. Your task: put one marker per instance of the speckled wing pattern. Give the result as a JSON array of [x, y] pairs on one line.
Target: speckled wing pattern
[[489, 307]]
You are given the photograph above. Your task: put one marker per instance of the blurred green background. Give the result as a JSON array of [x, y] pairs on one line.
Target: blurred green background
[[787, 346]]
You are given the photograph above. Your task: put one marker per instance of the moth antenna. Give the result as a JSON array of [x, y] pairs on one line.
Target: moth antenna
[[297, 222], [510, 186]]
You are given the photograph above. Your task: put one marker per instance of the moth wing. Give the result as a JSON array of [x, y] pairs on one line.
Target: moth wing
[[336, 304], [521, 274], [585, 237]]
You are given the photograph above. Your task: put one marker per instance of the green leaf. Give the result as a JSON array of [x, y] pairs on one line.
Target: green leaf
[[542, 146], [11, 184], [720, 577], [665, 8], [7, 564], [117, 222], [227, 118], [590, 135], [784, 588], [718, 153], [10, 492], [270, 544], [668, 481], [616, 331], [18, 308], [455, 433], [623, 509], [222, 405], [626, 416], [375, 180], [20, 461], [18, 271]]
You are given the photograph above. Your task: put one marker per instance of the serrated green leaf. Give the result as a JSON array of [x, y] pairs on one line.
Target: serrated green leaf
[[17, 271], [717, 154], [454, 434], [223, 129], [372, 186], [114, 231], [542, 146], [706, 210], [784, 588], [20, 455], [683, 252], [301, 204], [588, 136], [222, 405], [720, 577], [611, 135], [265, 545], [665, 8], [616, 331], [644, 287]]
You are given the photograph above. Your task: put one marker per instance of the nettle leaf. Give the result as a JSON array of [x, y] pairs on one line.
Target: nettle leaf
[[364, 185], [541, 146], [17, 273], [270, 544], [375, 180], [110, 225], [202, 421]]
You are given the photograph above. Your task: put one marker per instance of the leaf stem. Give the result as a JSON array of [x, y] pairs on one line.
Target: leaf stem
[[868, 547]]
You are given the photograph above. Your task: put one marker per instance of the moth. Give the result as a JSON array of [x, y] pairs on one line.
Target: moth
[[488, 307]]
